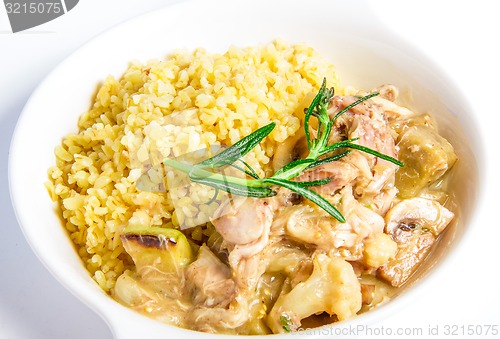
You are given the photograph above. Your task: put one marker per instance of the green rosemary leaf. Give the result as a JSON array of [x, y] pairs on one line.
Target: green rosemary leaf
[[238, 150], [329, 159], [236, 189], [375, 153], [355, 103], [286, 322], [311, 110], [308, 194], [247, 172], [293, 164], [311, 183], [250, 169], [337, 145]]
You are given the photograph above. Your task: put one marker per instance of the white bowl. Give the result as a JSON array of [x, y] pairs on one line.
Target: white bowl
[[365, 52]]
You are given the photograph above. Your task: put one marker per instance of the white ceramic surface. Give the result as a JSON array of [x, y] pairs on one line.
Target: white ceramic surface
[[365, 52]]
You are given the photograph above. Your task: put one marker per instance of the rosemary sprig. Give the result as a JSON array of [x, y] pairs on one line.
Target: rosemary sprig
[[238, 150], [300, 188], [205, 173]]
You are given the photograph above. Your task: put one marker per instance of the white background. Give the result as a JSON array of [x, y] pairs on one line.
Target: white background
[[461, 36]]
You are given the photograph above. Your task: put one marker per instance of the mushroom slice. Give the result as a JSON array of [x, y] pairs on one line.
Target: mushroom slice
[[425, 214], [414, 225]]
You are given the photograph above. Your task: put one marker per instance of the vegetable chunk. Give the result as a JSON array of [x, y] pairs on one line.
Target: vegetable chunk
[[427, 157], [333, 287], [414, 225], [156, 249]]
